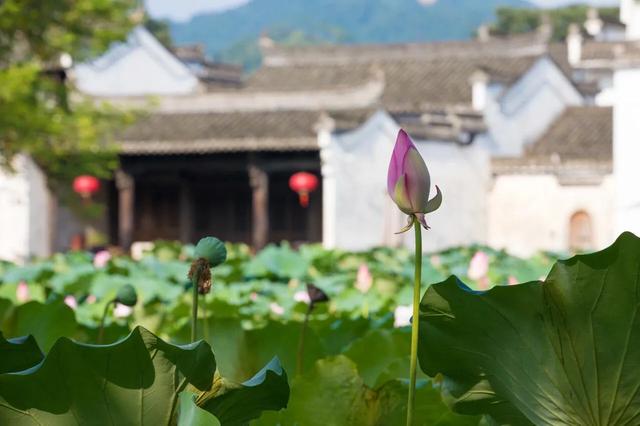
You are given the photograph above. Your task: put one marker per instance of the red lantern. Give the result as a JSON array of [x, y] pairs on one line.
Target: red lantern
[[303, 183], [86, 185]]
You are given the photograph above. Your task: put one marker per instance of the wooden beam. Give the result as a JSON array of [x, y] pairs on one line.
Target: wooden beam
[[126, 192], [259, 180]]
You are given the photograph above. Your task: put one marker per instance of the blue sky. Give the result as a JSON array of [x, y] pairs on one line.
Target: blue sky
[[184, 9]]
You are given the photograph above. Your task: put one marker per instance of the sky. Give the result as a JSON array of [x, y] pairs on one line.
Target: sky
[[184, 9]]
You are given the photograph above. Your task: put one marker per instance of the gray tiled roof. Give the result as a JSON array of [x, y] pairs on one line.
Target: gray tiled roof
[[408, 83], [234, 131], [426, 89], [516, 45], [580, 136], [417, 84], [580, 133]]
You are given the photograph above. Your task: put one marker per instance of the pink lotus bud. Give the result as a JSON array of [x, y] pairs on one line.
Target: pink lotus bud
[[253, 296], [409, 182], [71, 302], [402, 316], [122, 311], [479, 266], [276, 309], [22, 292], [512, 280], [91, 299], [101, 258], [364, 280], [302, 296]]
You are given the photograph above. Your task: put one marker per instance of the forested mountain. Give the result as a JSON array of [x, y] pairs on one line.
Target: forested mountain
[[232, 35]]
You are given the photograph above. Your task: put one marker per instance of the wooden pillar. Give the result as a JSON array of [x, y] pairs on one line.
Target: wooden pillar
[[126, 191], [259, 181], [186, 212]]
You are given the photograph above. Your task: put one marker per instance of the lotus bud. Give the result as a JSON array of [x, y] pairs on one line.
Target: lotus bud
[[122, 311], [127, 295], [402, 316], [22, 292], [302, 296], [478, 266], [409, 182], [276, 309], [364, 280], [316, 295], [71, 302]]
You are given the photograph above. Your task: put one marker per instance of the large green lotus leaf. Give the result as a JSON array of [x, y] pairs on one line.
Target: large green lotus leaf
[[277, 261], [18, 354], [237, 404], [560, 352], [334, 394], [134, 381], [377, 350], [191, 414], [45, 321], [240, 353]]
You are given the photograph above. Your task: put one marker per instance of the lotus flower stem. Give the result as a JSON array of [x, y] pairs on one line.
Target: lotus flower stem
[[102, 321], [303, 332], [194, 306], [415, 322], [205, 319]]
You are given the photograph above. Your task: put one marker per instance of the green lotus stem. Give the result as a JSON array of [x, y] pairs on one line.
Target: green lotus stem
[[205, 320], [415, 323], [102, 321], [194, 307], [303, 332]]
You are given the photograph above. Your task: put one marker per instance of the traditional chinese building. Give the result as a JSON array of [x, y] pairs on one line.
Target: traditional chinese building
[[520, 133]]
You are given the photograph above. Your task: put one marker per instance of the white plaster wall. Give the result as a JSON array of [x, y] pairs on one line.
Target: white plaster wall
[[626, 149], [630, 15], [528, 212], [364, 215], [525, 111], [24, 212], [139, 67]]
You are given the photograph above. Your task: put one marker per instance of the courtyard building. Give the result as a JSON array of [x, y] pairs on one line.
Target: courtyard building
[[531, 141]]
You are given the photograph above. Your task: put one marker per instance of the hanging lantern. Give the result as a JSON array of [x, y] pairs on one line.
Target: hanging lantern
[[303, 183], [86, 185]]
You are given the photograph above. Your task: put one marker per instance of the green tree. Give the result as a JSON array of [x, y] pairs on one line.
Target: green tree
[[40, 112], [510, 20], [160, 30]]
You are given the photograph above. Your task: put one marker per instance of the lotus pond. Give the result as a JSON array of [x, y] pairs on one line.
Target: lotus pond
[[269, 351], [356, 345]]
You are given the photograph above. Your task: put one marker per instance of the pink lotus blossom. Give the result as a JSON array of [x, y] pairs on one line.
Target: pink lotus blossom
[[122, 311], [478, 266], [253, 296], [71, 302], [409, 182], [22, 292], [512, 280], [276, 308], [91, 299], [364, 280], [101, 258], [402, 316], [302, 296]]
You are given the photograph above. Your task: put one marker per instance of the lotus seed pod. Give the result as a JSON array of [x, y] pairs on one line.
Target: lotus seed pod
[[211, 249], [127, 295]]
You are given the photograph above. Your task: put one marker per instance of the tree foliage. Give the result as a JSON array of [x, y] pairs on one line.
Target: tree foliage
[[40, 112], [510, 20]]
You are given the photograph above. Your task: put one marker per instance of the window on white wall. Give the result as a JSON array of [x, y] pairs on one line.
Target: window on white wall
[[580, 232]]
